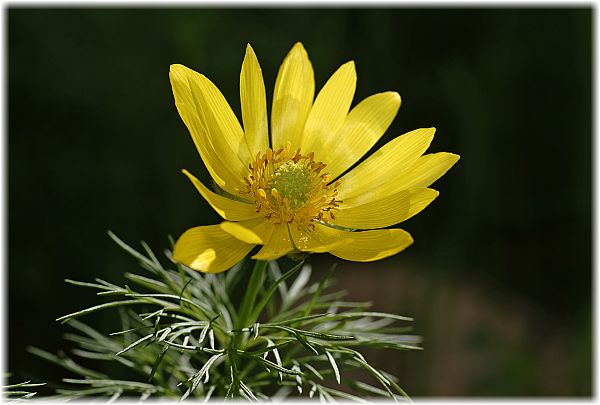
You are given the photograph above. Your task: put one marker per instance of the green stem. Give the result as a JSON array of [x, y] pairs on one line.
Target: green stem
[[255, 283], [233, 363], [244, 313]]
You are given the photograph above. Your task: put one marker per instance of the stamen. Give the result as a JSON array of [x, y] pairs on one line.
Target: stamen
[[288, 187]]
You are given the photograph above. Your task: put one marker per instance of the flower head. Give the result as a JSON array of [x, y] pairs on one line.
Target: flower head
[[293, 194]]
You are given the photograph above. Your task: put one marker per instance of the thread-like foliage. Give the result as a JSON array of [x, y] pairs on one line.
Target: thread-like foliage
[[185, 335], [20, 391]]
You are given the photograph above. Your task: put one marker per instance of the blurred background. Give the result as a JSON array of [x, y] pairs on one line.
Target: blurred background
[[499, 278]]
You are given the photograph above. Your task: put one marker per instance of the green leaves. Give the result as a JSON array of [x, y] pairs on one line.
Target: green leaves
[[202, 373], [96, 308], [271, 290], [19, 391], [183, 336], [333, 366]]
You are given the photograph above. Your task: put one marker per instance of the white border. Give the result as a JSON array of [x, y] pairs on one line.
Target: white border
[[311, 3]]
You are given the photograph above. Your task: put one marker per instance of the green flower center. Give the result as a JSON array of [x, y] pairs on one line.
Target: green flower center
[[293, 181], [288, 187]]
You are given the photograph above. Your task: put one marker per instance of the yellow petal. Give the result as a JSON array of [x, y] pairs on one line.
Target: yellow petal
[[209, 249], [227, 208], [385, 164], [278, 245], [367, 246], [254, 104], [362, 128], [329, 110], [254, 231], [223, 176], [427, 169], [292, 97], [387, 211], [307, 240], [225, 131], [241, 233]]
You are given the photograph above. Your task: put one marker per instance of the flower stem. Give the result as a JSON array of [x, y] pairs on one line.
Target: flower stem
[[254, 284], [244, 312]]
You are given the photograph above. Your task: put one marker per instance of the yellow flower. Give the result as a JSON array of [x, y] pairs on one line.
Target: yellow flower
[[292, 194]]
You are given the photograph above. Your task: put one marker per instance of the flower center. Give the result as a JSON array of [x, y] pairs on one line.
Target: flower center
[[293, 182], [289, 187]]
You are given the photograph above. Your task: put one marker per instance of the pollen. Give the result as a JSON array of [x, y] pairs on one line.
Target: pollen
[[291, 187]]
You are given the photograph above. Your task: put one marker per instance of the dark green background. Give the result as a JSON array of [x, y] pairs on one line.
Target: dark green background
[[499, 279]]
